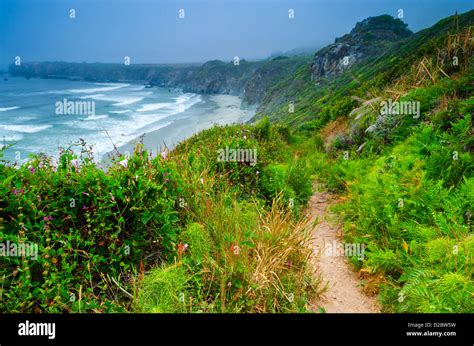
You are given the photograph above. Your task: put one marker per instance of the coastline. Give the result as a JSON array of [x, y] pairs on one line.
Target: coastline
[[31, 121], [219, 109]]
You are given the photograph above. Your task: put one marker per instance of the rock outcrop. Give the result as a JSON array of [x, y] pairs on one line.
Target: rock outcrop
[[366, 39]]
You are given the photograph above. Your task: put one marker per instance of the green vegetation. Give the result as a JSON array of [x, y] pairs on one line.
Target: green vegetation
[[187, 232], [182, 232], [407, 186]]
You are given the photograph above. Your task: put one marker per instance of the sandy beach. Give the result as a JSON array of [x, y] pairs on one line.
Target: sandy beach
[[215, 110]]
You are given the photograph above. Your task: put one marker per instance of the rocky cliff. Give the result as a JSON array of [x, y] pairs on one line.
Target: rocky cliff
[[366, 39], [246, 79]]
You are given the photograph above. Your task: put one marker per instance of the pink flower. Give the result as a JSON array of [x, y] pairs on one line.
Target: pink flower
[[16, 191], [164, 154], [47, 218], [40, 165], [124, 163], [85, 194], [32, 170], [75, 163]]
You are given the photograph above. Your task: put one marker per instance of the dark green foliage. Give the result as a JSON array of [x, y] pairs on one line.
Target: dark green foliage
[[86, 222]]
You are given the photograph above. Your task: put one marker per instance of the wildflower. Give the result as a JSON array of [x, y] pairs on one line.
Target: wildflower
[[40, 165], [164, 154], [16, 191], [85, 194], [124, 163], [48, 218], [167, 180], [75, 163], [202, 181], [258, 173], [32, 170], [245, 137]]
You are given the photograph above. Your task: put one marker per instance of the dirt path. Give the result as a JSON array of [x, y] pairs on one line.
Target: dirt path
[[343, 293]]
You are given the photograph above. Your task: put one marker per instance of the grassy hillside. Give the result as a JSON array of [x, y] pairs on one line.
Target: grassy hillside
[[183, 232], [405, 180], [316, 104]]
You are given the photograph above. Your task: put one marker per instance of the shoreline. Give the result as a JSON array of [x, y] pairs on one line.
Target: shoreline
[[227, 109], [205, 111]]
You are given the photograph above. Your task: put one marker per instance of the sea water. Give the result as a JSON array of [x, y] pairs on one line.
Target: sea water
[[35, 117]]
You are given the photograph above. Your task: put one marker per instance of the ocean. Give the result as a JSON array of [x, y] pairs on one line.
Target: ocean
[[43, 115]]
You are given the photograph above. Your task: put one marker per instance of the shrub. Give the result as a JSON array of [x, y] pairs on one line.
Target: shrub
[[163, 290], [86, 222]]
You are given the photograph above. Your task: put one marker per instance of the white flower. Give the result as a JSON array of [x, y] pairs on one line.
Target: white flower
[[164, 154], [124, 163]]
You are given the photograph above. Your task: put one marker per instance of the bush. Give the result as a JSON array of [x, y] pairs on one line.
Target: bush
[[85, 222], [163, 290], [275, 181]]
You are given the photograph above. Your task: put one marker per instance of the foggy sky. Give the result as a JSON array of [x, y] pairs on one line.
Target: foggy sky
[[151, 31]]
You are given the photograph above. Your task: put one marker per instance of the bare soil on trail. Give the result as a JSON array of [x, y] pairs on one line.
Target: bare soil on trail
[[344, 292]]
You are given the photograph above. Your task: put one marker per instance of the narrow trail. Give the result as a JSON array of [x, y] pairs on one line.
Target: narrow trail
[[343, 293]]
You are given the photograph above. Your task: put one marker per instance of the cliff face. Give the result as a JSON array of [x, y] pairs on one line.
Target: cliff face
[[247, 79], [269, 74], [366, 39], [213, 77]]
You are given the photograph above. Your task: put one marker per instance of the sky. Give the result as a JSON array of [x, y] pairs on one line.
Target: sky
[[151, 31]]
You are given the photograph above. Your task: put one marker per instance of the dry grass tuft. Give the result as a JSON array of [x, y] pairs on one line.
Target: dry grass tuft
[[333, 129], [282, 261]]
